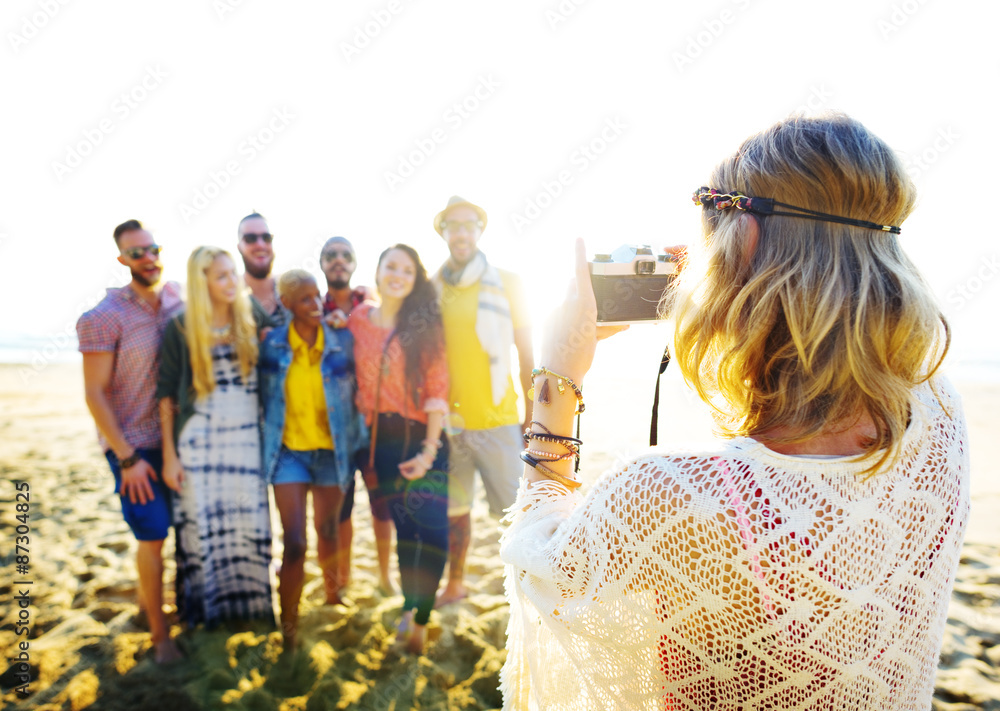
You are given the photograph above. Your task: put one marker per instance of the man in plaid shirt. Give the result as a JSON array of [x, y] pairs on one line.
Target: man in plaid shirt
[[120, 341]]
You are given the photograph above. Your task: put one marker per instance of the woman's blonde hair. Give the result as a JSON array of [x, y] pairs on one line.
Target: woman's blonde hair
[[198, 322], [821, 322]]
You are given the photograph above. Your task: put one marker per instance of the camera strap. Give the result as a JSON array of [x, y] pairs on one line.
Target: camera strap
[[654, 419]]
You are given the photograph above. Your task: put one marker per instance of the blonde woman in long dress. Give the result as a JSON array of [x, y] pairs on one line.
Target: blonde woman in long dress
[[211, 448]]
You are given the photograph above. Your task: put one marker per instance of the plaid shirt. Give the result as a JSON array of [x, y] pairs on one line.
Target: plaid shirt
[[358, 296], [124, 324]]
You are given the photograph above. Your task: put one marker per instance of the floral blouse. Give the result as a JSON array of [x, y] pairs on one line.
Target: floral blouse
[[394, 395]]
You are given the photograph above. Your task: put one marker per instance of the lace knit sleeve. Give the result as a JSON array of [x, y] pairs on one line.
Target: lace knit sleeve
[[571, 561], [556, 537], [737, 577]]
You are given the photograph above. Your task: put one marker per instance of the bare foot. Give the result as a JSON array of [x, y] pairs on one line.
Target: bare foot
[[166, 652], [386, 588], [418, 637], [335, 599], [453, 592], [404, 624]]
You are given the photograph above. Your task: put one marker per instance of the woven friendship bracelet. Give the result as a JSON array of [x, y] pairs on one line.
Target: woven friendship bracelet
[[547, 435], [569, 443]]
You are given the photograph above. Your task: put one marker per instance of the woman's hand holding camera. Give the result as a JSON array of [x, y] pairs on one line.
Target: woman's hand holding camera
[[572, 333]]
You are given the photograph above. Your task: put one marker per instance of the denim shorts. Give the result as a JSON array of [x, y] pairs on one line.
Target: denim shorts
[[317, 467], [149, 521]]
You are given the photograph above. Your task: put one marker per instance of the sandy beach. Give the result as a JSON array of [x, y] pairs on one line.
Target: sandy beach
[[89, 648]]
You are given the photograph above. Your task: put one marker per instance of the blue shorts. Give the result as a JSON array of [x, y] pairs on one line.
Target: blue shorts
[[149, 521], [317, 467]]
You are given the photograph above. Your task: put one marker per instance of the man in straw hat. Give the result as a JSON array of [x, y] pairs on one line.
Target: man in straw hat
[[484, 313]]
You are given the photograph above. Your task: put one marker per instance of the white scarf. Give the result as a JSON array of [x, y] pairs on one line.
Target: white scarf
[[494, 327]]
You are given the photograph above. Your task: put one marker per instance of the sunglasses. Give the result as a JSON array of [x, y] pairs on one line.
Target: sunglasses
[[252, 237], [455, 226], [135, 253], [334, 253]]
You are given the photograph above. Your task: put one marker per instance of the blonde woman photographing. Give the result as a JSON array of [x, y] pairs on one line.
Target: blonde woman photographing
[[211, 448], [806, 560]]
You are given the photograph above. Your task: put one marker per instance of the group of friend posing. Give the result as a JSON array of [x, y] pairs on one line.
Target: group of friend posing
[[280, 384]]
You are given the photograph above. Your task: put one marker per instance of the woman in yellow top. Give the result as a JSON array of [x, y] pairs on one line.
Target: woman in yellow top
[[311, 429]]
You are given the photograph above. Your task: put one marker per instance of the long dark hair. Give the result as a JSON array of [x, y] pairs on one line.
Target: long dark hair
[[418, 323]]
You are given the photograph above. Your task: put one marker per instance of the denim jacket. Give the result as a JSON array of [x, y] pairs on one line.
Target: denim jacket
[[337, 366]]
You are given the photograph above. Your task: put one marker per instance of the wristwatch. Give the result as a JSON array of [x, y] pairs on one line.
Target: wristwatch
[[130, 461]]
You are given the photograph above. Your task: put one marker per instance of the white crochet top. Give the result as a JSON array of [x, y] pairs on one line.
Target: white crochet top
[[734, 577]]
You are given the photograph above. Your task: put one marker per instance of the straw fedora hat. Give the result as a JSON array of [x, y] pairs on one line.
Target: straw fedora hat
[[456, 201]]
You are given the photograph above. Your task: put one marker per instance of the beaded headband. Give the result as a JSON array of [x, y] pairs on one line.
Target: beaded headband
[[709, 197]]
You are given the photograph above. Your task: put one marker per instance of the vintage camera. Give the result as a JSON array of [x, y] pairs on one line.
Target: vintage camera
[[629, 283]]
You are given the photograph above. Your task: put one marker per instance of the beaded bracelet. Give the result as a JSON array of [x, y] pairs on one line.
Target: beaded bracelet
[[550, 456], [566, 481], [543, 393], [543, 396], [570, 446], [529, 434]]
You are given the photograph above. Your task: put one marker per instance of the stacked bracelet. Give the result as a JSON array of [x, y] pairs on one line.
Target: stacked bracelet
[[539, 466], [543, 396], [572, 444], [430, 447]]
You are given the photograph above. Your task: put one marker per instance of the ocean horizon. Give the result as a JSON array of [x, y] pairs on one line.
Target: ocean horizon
[[35, 352]]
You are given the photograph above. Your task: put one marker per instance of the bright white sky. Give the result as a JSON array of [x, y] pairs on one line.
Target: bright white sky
[[662, 90]]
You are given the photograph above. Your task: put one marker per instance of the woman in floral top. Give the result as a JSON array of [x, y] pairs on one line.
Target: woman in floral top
[[402, 389]]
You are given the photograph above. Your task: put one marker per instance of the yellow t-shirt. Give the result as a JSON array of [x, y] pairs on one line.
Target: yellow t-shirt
[[471, 396], [307, 424]]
